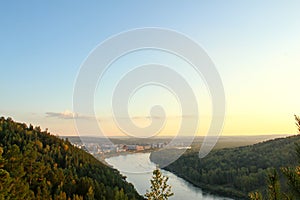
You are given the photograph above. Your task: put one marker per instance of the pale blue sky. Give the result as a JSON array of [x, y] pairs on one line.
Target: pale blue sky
[[254, 44]]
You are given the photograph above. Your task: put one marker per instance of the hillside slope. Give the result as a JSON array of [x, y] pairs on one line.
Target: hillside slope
[[234, 172], [37, 165]]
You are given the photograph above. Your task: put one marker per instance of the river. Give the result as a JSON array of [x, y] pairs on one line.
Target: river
[[138, 170]]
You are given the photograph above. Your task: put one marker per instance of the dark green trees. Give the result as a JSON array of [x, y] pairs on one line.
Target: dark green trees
[[235, 172], [273, 191], [292, 175], [159, 190], [36, 165], [11, 188], [5, 180]]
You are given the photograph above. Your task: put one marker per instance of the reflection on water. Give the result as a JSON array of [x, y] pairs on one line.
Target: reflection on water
[[138, 169]]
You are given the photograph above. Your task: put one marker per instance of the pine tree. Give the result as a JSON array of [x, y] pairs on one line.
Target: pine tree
[[273, 186], [293, 179], [160, 190], [90, 194], [5, 181], [255, 196]]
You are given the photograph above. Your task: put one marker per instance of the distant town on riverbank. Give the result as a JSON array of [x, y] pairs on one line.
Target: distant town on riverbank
[[99, 146], [102, 146]]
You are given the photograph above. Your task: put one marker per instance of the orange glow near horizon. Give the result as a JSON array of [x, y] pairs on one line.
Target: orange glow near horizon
[[233, 126]]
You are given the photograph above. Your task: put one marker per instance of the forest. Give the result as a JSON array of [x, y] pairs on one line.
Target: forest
[[234, 172], [37, 165]]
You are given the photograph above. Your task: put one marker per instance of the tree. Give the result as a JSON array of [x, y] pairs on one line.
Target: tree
[[273, 186], [90, 194], [37, 165], [255, 196], [5, 180], [293, 179], [160, 190]]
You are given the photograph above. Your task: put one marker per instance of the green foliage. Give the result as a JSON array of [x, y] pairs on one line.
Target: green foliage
[[297, 122], [159, 190], [5, 180], [234, 172], [255, 196], [273, 186], [292, 174], [37, 165], [293, 179]]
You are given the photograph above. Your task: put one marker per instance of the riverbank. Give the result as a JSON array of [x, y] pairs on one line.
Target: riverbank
[[208, 189], [162, 159], [102, 157], [213, 189], [138, 168]]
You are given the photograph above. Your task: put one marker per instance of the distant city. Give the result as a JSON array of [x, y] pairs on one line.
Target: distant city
[[97, 147], [100, 147]]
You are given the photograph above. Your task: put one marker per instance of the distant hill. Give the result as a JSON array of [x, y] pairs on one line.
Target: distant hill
[[223, 141], [233, 172], [37, 165]]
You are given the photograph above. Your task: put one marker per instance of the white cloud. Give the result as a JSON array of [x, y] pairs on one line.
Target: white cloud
[[63, 115]]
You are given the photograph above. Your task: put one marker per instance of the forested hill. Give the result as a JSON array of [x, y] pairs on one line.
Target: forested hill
[[37, 165], [234, 172]]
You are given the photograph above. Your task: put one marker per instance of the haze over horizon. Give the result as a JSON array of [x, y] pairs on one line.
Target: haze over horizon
[[254, 45]]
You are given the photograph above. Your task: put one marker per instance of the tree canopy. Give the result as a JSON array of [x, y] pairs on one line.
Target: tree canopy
[[292, 178], [37, 165], [234, 172], [159, 190]]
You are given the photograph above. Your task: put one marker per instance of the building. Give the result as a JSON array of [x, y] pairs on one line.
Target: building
[[139, 148]]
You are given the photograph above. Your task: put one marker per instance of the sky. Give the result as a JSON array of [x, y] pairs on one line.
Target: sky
[[254, 45]]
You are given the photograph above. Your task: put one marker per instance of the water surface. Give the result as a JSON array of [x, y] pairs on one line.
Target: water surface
[[138, 169]]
